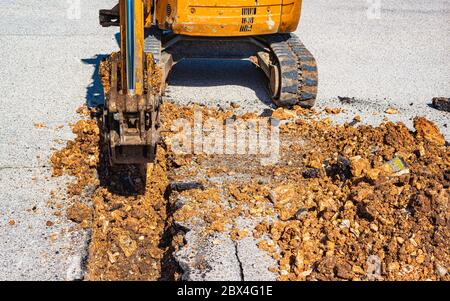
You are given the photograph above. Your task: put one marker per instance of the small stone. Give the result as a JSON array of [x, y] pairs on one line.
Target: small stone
[[421, 150], [79, 212], [373, 173], [235, 105], [349, 205], [306, 273], [315, 163], [330, 245], [400, 240], [113, 257], [49, 223], [333, 111], [238, 234], [345, 223], [355, 232], [358, 270], [273, 269], [12, 222], [393, 266], [282, 194], [359, 166], [283, 114], [407, 269], [301, 214], [127, 245], [441, 103], [344, 270], [440, 270], [39, 125]]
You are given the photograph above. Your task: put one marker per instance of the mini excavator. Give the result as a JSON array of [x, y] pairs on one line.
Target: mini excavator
[[156, 34]]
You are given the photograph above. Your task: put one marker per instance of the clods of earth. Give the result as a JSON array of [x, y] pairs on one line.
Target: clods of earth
[[341, 202]]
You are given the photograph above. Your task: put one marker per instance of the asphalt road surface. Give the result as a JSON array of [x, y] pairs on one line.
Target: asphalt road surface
[[395, 56]]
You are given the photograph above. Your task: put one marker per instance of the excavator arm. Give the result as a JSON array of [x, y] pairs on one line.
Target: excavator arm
[[131, 108]]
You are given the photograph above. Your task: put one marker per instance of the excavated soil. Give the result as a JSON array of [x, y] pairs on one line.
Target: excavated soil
[[345, 202], [127, 213]]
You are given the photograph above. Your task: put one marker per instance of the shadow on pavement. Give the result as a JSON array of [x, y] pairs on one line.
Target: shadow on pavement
[[218, 73]]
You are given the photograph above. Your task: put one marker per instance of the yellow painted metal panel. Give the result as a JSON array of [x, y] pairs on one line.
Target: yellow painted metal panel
[[139, 45], [228, 17]]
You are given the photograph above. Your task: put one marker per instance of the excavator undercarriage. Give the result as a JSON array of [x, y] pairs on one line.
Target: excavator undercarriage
[[149, 51]]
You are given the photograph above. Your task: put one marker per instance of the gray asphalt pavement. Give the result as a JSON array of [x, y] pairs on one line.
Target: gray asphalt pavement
[[48, 53], [50, 50]]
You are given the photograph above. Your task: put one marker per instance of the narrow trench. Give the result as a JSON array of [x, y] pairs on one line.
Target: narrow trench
[[169, 268]]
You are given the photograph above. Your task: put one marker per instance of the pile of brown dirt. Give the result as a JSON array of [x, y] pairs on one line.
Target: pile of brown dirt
[[362, 200], [80, 157], [347, 203]]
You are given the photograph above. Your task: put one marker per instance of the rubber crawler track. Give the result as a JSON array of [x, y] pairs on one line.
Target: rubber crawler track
[[299, 74]]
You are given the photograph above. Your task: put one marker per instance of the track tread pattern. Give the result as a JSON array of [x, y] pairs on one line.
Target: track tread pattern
[[299, 74]]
